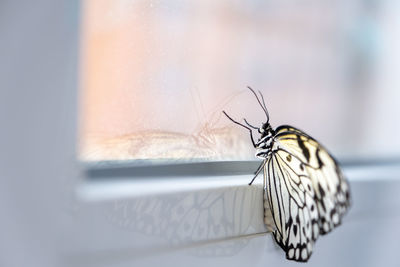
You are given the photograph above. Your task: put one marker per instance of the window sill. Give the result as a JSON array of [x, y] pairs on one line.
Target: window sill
[[155, 214]]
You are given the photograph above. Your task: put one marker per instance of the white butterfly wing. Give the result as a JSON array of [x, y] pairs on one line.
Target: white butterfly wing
[[306, 191], [331, 188], [292, 201]]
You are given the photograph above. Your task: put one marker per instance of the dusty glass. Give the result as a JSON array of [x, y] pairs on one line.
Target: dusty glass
[[155, 76]]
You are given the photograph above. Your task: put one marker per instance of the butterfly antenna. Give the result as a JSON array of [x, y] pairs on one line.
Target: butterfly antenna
[[238, 123], [248, 124], [259, 102], [265, 107]]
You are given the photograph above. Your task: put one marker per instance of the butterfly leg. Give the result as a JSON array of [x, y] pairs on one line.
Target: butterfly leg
[[251, 132], [258, 171], [238, 123], [252, 139]]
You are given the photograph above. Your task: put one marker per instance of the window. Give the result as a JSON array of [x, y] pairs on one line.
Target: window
[[157, 74]]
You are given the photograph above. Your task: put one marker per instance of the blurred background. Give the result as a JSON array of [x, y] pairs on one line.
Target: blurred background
[[155, 76], [151, 79]]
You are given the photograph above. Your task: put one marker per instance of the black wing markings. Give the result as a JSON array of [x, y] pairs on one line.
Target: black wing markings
[[311, 215], [337, 195], [294, 235]]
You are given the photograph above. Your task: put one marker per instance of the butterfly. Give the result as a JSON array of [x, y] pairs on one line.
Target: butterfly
[[304, 187]]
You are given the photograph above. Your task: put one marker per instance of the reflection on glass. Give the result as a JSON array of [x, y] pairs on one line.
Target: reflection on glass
[[156, 75], [195, 217]]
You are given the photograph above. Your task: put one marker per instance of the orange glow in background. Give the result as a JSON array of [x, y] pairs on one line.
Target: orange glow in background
[[155, 76]]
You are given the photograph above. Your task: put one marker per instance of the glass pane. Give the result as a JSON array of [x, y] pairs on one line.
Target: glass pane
[[157, 74]]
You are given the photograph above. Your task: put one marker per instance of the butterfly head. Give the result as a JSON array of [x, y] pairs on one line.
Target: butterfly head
[[265, 129]]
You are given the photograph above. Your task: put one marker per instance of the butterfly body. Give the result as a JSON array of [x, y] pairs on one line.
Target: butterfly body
[[304, 188], [265, 142]]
